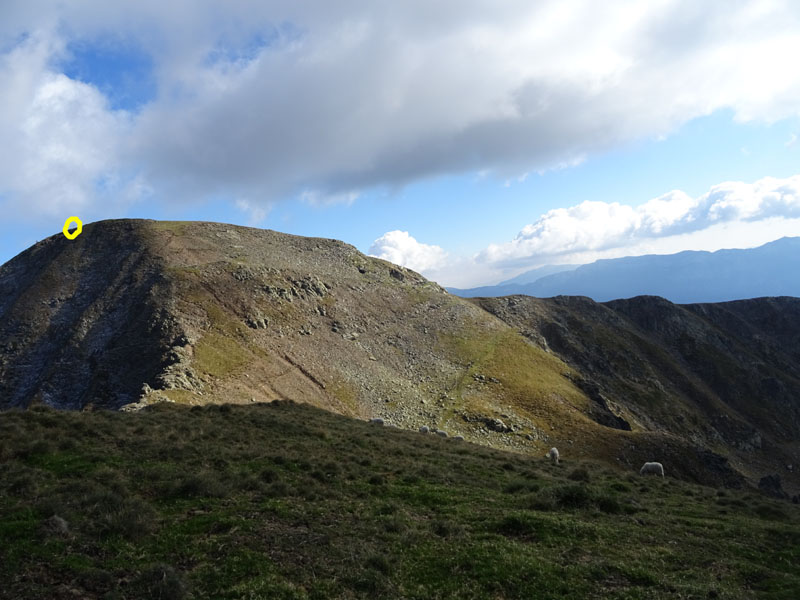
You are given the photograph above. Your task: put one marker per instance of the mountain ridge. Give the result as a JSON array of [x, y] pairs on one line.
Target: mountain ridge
[[137, 312]]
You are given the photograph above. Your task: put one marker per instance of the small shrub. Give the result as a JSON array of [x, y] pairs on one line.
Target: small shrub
[[114, 514], [331, 468], [379, 562], [97, 580], [202, 485], [765, 511], [269, 475], [579, 474], [371, 582], [609, 504], [521, 485], [160, 582], [543, 501], [444, 528], [249, 483], [66, 444], [387, 509], [23, 485], [516, 526], [573, 496], [278, 489], [395, 525]]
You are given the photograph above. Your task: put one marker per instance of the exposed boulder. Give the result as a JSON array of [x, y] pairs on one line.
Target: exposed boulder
[[497, 425]]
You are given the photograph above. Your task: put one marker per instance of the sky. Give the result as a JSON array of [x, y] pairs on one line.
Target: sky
[[469, 140]]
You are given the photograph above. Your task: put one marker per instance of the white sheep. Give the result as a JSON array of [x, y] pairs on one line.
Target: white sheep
[[376, 421], [552, 455], [652, 468], [458, 438], [424, 429], [441, 433]]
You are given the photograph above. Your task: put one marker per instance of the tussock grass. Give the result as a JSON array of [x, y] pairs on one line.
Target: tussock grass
[[288, 501]]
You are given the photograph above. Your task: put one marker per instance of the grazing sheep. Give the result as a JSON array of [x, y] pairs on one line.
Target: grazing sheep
[[458, 438], [376, 421], [552, 455], [441, 433], [424, 429], [652, 468]]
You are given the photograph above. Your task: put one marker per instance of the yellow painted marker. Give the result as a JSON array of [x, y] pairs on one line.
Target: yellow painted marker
[[77, 232]]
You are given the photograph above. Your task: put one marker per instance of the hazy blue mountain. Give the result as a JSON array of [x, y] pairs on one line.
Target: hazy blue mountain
[[537, 273], [488, 291], [512, 286], [769, 270]]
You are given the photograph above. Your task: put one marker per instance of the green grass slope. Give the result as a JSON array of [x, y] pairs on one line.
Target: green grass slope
[[284, 500]]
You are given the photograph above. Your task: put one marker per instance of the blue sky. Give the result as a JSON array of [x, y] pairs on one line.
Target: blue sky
[[466, 142]]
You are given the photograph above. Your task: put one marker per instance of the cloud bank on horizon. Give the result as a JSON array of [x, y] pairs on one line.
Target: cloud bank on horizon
[[271, 101], [766, 209]]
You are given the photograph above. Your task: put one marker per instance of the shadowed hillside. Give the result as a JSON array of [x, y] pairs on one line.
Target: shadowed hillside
[[726, 375]]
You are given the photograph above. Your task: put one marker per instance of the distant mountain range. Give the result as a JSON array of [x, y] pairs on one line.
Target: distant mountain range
[[686, 277], [537, 274]]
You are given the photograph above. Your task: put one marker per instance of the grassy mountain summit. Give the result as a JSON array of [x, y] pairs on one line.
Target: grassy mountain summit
[[137, 312]]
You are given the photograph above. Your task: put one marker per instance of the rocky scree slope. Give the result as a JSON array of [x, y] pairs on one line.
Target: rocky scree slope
[[135, 312]]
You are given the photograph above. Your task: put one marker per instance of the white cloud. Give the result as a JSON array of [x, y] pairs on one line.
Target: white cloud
[[730, 215], [255, 213], [265, 100], [60, 150], [315, 198], [591, 229], [792, 141], [402, 249]]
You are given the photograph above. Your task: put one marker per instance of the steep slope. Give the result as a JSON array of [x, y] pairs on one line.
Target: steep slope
[[83, 322], [769, 270], [726, 376]]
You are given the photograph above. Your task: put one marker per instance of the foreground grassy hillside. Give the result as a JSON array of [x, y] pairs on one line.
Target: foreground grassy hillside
[[284, 500]]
